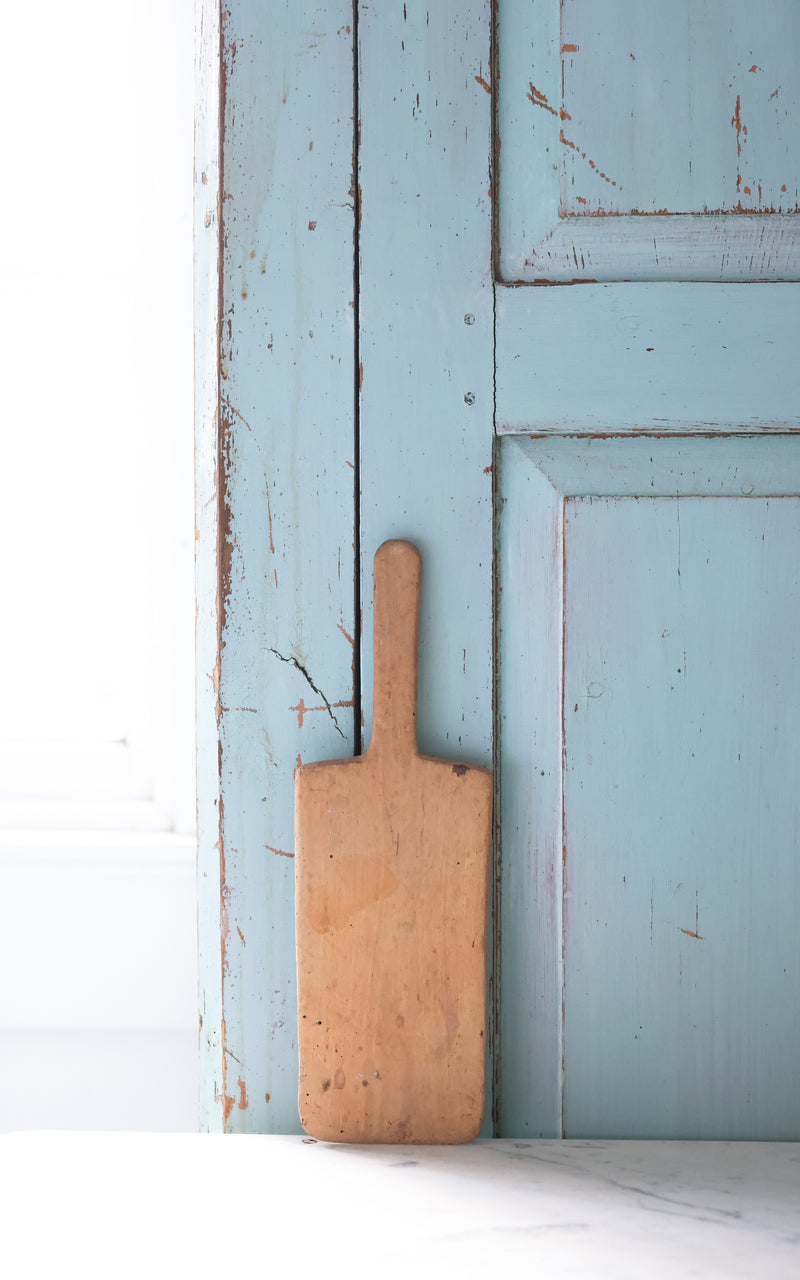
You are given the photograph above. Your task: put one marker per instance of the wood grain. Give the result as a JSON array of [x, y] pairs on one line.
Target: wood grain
[[392, 861]]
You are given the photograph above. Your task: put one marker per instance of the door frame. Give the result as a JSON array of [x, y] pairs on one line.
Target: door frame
[[275, 483]]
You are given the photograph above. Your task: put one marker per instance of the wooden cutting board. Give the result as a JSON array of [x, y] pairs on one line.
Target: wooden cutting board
[[392, 873]]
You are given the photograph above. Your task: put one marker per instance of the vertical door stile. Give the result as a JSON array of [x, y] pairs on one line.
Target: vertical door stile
[[425, 344], [275, 483]]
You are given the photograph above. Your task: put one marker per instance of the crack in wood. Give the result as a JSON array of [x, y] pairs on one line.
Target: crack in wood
[[293, 662]]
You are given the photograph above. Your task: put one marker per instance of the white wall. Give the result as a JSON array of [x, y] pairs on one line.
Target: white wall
[[98, 998], [98, 982]]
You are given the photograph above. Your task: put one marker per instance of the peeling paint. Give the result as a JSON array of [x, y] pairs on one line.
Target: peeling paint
[[574, 146], [539, 100], [302, 710], [249, 129], [282, 853], [741, 133]]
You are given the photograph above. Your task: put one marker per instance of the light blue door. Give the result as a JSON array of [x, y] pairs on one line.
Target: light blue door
[[648, 530], [533, 307]]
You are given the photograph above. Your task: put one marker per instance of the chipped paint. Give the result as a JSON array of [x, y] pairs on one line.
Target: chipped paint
[[540, 100], [282, 853], [269, 96], [567, 143], [302, 710], [607, 95], [741, 133]]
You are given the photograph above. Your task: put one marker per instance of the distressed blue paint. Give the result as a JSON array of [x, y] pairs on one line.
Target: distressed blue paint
[[569, 360], [615, 118], [654, 357], [280, 416], [682, 816], [684, 338], [711, 89], [529, 585], [426, 346], [643, 467], [647, 729]]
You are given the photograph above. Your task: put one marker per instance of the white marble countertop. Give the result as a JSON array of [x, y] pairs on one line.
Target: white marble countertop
[[186, 1205]]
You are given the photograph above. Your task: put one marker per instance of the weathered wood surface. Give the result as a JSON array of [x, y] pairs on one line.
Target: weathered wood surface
[[648, 144], [392, 871], [425, 345], [650, 888], [275, 511], [647, 587], [648, 357], [717, 359]]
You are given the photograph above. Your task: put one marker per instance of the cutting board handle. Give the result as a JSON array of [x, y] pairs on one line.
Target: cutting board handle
[[397, 575]]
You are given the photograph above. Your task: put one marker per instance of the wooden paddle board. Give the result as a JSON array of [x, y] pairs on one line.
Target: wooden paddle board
[[392, 873]]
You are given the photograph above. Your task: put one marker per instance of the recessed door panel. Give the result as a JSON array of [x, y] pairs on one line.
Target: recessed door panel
[[648, 143], [681, 875], [648, 701]]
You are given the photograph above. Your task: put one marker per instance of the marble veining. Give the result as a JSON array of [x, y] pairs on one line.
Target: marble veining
[[544, 1208]]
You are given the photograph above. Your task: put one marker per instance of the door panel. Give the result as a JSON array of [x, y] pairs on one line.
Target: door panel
[[729, 70], [649, 806], [681, 814], [647, 144]]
